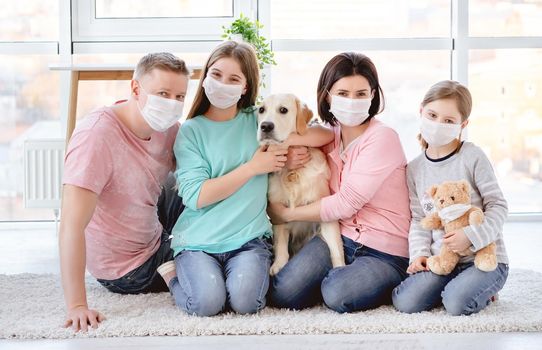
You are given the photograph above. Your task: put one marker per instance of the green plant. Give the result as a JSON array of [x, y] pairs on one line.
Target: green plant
[[249, 31]]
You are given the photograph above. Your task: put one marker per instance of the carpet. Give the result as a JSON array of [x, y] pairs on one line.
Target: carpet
[[32, 307]]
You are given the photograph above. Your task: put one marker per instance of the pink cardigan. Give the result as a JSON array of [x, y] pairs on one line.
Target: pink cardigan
[[369, 189]]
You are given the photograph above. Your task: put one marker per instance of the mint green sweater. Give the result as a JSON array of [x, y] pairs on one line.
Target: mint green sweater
[[204, 150]]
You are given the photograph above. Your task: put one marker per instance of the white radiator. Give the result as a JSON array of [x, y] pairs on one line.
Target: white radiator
[[43, 167]]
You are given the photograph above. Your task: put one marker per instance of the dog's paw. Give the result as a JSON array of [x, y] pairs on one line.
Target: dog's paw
[[278, 264]]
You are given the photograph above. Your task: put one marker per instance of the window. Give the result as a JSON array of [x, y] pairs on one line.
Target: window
[[163, 8], [29, 20], [507, 120], [163, 20], [505, 18], [29, 100], [346, 19]]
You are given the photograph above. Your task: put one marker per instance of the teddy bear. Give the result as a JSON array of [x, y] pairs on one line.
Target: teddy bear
[[454, 211]]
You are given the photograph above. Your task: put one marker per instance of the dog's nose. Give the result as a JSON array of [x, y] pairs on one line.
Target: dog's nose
[[267, 126]]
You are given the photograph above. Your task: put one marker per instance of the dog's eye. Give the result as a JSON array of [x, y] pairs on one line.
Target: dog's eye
[[453, 198], [261, 110], [283, 110]]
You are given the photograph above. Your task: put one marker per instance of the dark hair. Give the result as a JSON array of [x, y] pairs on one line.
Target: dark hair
[[344, 65], [246, 56]]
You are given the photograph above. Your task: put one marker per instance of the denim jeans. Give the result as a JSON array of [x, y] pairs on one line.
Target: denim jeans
[[367, 280], [145, 278], [207, 284], [466, 290]]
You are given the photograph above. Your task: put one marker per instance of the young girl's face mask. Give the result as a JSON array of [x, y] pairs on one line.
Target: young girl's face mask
[[221, 95], [439, 134]]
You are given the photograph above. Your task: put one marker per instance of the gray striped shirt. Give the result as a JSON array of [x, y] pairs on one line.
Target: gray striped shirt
[[470, 164]]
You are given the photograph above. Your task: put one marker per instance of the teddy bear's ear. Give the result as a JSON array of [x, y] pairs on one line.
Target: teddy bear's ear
[[464, 186], [433, 191]]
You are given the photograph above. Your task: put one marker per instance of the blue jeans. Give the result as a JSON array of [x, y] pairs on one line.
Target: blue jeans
[[297, 285], [145, 278], [207, 284], [466, 290], [366, 282]]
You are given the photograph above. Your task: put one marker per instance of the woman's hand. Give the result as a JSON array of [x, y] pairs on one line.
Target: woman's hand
[[297, 156], [264, 162], [278, 213], [419, 264]]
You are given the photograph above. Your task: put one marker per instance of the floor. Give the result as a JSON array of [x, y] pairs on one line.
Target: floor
[[32, 247]]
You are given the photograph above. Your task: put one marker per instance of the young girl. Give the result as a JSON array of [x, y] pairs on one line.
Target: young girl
[[370, 200], [444, 111], [220, 242]]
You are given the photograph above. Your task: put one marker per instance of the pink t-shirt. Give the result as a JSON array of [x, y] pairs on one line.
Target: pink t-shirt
[[369, 189], [126, 173]]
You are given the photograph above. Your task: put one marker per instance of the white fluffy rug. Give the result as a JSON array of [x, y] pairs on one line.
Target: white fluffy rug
[[32, 306]]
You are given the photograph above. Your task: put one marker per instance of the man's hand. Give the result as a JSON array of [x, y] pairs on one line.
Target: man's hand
[[457, 240], [80, 317], [419, 264]]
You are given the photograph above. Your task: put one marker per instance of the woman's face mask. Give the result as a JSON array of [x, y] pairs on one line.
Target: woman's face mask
[[349, 111], [221, 95], [159, 112]]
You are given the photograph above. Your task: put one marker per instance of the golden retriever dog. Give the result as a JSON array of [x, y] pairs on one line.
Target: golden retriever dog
[[278, 116]]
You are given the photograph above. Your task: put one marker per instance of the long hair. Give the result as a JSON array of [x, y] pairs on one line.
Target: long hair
[[344, 65], [246, 56], [449, 89]]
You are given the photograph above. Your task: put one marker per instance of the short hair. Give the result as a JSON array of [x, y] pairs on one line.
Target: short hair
[[159, 60], [344, 65]]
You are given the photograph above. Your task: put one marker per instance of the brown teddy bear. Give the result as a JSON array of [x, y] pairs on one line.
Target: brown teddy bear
[[454, 211]]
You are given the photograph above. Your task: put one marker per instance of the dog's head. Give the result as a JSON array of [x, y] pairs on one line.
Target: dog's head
[[280, 115]]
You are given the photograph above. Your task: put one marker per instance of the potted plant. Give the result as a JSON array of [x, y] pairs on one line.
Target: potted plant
[[244, 29]]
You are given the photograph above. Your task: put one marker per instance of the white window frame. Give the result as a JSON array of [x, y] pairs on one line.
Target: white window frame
[[87, 28]]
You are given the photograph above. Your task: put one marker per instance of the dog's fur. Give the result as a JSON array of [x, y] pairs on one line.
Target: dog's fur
[[285, 114]]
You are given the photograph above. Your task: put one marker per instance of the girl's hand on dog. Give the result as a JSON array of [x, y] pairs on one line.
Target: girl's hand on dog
[[264, 162]]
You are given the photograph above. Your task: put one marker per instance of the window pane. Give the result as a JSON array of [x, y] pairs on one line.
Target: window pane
[[347, 19], [163, 8], [29, 100], [507, 94], [298, 72], [505, 18], [29, 20]]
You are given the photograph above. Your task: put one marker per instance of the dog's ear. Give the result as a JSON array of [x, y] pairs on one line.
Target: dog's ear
[[304, 115]]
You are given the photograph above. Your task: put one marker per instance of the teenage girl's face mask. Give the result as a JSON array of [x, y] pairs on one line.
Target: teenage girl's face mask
[[222, 95], [159, 112], [350, 111], [439, 134]]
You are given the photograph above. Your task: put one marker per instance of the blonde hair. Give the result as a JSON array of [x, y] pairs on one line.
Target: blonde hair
[[246, 56], [449, 89], [159, 60]]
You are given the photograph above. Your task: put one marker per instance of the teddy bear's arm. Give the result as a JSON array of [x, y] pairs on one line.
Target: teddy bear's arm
[[431, 222]]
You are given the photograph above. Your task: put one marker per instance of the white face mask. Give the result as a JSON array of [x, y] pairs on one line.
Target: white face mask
[[159, 112], [221, 95], [453, 212], [439, 134], [349, 111]]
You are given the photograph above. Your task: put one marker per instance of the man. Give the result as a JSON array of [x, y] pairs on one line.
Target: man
[[117, 209]]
